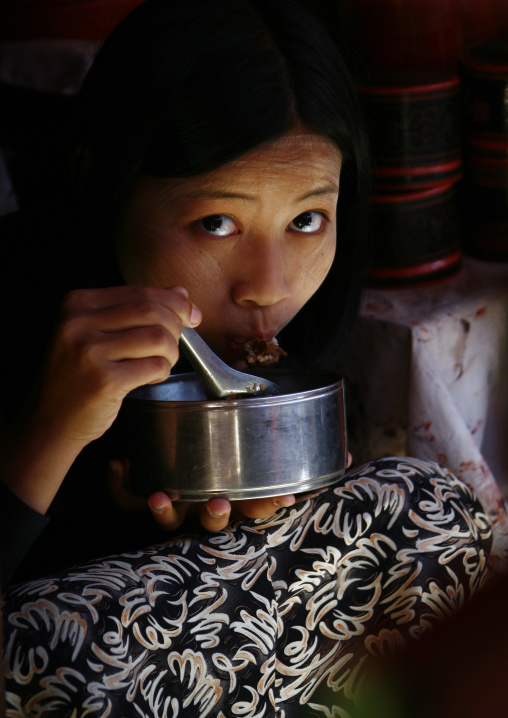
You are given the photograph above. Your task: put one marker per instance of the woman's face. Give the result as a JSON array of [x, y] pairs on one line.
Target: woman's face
[[251, 241]]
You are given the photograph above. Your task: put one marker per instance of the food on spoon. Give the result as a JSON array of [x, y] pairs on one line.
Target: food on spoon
[[262, 351]]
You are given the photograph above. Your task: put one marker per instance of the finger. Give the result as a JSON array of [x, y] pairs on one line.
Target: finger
[[168, 514], [170, 311], [127, 375], [139, 304], [122, 497], [214, 516], [136, 343], [114, 364], [264, 508], [196, 315], [349, 459]]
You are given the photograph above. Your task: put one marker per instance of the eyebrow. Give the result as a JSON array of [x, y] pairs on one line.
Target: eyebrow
[[326, 189], [220, 194], [229, 194]]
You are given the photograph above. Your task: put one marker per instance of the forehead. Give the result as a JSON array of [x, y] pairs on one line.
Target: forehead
[[298, 159], [299, 151]]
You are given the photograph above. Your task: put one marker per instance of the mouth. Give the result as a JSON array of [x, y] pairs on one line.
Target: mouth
[[258, 351], [233, 348], [238, 344]]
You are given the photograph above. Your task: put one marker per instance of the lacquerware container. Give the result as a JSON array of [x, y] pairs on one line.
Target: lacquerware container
[[415, 134], [485, 199], [484, 70], [415, 236]]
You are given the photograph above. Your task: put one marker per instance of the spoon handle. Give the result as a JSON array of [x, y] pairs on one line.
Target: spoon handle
[[220, 380], [212, 370]]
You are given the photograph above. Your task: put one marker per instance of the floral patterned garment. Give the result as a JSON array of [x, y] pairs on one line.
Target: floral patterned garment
[[255, 621]]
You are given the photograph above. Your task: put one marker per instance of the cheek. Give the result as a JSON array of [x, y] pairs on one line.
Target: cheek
[[175, 263], [200, 273], [166, 259], [311, 273]]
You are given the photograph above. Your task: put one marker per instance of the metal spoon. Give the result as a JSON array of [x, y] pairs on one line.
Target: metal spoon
[[219, 380]]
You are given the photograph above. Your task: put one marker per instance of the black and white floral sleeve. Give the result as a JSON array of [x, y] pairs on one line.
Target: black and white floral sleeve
[[257, 621]]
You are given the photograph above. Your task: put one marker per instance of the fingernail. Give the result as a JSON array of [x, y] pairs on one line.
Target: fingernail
[[216, 514], [195, 315], [157, 509], [218, 508], [158, 502], [284, 501], [180, 290]]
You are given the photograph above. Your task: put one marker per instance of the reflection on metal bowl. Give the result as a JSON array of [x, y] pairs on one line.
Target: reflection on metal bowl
[[195, 449]]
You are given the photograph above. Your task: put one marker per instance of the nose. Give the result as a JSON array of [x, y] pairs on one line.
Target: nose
[[260, 275]]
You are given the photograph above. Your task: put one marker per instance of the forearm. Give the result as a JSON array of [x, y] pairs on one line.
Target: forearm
[[20, 527], [34, 460]]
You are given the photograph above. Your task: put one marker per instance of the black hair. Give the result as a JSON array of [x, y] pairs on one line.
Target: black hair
[[182, 87]]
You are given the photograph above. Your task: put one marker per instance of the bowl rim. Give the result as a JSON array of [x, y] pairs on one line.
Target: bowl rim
[[336, 383]]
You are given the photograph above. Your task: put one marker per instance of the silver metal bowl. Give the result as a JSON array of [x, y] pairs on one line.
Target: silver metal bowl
[[194, 449]]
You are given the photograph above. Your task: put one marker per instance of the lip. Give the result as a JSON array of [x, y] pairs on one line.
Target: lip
[[243, 340]]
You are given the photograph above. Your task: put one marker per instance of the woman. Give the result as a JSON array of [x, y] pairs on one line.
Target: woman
[[221, 181], [169, 96]]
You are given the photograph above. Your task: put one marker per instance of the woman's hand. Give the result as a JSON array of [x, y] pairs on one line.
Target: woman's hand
[[107, 342], [214, 515]]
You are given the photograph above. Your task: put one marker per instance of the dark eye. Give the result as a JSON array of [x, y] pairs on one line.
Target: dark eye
[[219, 225], [307, 222]]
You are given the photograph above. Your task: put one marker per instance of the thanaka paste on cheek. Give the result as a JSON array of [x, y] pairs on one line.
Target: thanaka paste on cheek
[[149, 262]]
